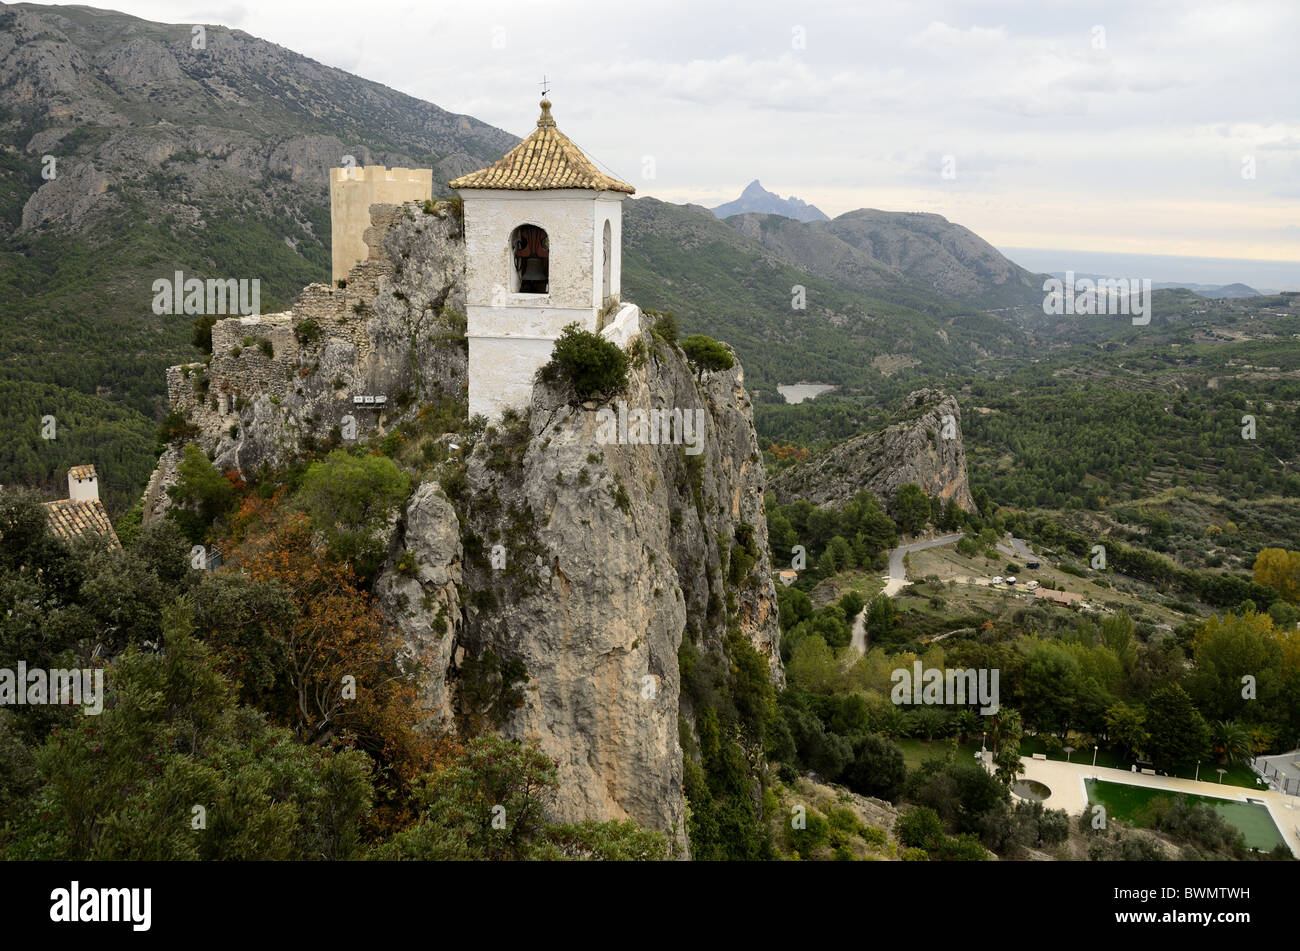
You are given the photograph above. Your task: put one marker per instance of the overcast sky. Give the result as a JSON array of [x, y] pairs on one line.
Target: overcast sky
[[1121, 127]]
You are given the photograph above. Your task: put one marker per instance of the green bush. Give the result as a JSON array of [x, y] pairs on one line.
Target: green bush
[[593, 366], [347, 498], [307, 332], [962, 848], [707, 354], [919, 828], [877, 768], [202, 494], [664, 327], [814, 836]]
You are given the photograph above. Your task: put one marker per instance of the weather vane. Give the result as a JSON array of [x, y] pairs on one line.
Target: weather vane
[[546, 87]]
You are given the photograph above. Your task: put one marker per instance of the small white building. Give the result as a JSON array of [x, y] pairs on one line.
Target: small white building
[[543, 249], [81, 513]]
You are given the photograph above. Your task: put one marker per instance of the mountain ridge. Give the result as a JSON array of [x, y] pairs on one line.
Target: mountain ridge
[[215, 162], [756, 198]]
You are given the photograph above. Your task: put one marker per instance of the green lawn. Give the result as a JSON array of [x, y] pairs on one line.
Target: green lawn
[[1032, 744], [916, 752], [1126, 802]]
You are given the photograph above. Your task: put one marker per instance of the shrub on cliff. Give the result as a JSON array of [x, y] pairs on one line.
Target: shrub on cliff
[[593, 366], [665, 325], [707, 354], [349, 499]]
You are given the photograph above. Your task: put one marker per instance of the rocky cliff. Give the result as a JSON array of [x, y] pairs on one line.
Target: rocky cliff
[[279, 383], [613, 555], [542, 577], [923, 446], [130, 150]]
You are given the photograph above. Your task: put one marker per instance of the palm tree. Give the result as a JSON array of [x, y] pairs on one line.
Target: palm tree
[[1230, 741], [928, 721], [967, 723]]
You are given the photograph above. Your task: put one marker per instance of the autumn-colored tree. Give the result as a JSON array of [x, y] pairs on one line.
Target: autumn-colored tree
[[789, 451], [328, 667], [1280, 570]]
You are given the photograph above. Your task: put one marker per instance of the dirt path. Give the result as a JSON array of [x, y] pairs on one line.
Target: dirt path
[[859, 639]]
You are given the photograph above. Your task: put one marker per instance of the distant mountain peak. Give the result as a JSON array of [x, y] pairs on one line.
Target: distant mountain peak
[[757, 199]]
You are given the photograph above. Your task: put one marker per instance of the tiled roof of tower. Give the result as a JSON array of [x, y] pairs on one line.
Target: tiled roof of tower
[[71, 520], [546, 159], [82, 472]]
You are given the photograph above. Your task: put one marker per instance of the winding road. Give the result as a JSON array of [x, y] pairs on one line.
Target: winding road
[[898, 572], [895, 583]]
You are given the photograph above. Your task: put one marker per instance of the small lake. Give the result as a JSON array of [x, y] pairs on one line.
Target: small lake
[[798, 392]]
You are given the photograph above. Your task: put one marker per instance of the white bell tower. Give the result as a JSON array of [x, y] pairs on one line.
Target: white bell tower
[[543, 249]]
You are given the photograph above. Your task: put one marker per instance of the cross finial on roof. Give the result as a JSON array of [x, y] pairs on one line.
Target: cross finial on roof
[[546, 86]]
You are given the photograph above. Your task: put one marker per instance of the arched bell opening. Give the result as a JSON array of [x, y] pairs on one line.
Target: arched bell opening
[[531, 253]]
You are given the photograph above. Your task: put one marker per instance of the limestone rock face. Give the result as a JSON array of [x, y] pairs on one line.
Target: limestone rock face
[[76, 192], [614, 554], [395, 331], [924, 447], [422, 600]]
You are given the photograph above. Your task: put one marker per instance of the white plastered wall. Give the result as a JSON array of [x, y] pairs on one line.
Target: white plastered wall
[[511, 335]]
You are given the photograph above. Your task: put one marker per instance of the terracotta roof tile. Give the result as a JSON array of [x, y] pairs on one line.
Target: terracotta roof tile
[[546, 159], [71, 520], [82, 472]]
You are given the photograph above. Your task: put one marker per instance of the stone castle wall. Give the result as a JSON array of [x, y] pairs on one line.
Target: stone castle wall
[[394, 330]]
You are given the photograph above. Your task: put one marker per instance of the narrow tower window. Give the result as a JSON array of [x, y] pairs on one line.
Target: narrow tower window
[[604, 283], [532, 257]]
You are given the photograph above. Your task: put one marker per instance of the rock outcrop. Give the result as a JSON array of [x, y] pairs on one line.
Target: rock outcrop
[[542, 577], [614, 554], [419, 595], [279, 382], [923, 446]]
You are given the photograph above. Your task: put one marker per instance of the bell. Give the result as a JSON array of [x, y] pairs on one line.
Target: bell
[[534, 270]]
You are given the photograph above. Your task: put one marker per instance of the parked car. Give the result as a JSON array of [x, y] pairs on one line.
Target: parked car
[[997, 579], [1011, 579], [1032, 586]]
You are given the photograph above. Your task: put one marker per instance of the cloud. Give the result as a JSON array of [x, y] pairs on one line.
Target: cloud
[[940, 39], [1053, 136]]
